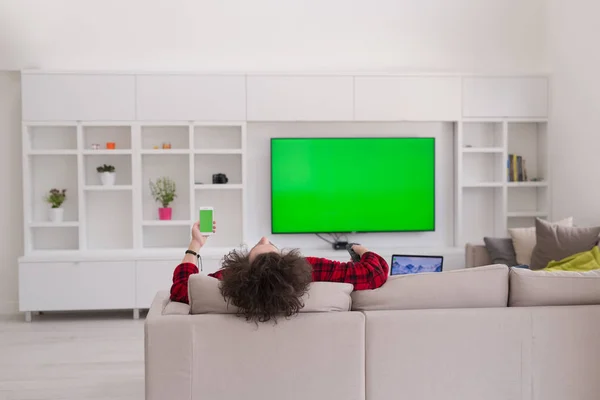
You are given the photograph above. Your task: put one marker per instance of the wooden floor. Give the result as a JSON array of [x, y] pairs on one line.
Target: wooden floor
[[72, 357]]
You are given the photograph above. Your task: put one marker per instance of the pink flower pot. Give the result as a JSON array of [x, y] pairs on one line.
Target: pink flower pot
[[164, 214]]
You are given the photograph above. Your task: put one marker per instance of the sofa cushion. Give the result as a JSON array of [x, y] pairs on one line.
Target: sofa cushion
[[479, 287], [206, 298], [553, 288], [555, 242], [524, 240], [501, 251]]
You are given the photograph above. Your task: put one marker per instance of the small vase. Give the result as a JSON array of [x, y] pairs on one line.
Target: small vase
[[56, 214], [164, 214], [108, 178]]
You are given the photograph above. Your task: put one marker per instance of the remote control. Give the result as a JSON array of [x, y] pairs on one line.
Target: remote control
[[355, 257]]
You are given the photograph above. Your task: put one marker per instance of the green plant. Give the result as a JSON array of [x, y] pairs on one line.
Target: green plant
[[106, 168], [163, 191], [56, 197]]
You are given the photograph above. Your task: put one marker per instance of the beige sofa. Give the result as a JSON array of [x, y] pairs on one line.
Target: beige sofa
[[453, 350]]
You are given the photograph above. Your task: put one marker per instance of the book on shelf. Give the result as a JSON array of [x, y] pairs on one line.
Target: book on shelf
[[516, 169]]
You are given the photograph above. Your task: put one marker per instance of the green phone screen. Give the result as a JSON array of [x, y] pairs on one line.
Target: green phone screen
[[206, 220]]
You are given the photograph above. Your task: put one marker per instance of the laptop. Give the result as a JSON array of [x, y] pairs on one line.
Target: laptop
[[403, 264]]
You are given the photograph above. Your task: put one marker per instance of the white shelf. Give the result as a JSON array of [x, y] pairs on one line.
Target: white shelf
[[52, 152], [48, 224], [218, 151], [483, 150], [165, 151], [526, 214], [226, 186], [104, 152], [484, 185], [527, 184], [168, 223], [102, 188]]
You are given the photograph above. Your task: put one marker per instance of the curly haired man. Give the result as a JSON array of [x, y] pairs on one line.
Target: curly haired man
[[266, 282]]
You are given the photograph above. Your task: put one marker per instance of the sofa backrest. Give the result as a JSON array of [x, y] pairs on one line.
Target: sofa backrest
[[481, 287]]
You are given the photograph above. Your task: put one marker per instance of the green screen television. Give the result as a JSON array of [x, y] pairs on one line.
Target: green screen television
[[343, 185]]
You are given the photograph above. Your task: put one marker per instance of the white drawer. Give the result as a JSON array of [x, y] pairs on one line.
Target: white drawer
[[98, 285]]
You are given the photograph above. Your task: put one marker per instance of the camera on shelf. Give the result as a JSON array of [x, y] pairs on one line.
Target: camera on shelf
[[219, 178]]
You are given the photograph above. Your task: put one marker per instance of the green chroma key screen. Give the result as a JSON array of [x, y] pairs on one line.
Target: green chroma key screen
[[336, 185]]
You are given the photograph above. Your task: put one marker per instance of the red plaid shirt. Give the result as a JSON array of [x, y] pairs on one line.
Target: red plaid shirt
[[370, 273]]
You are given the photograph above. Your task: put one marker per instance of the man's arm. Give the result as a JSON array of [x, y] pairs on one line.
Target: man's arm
[[181, 275], [370, 272]]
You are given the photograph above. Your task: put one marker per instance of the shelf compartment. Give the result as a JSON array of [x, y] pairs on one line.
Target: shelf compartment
[[55, 237], [219, 151], [100, 135], [166, 237], [228, 214], [483, 168], [105, 152], [529, 140], [217, 137], [52, 137], [524, 201], [175, 167], [48, 172], [109, 220], [208, 165], [483, 134], [122, 164], [482, 214], [155, 136]]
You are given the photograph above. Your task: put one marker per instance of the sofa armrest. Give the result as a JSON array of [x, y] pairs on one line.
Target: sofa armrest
[[168, 350], [476, 255]]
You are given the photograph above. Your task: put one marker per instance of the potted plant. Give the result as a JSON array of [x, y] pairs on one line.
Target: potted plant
[[163, 191], [107, 174], [56, 198]]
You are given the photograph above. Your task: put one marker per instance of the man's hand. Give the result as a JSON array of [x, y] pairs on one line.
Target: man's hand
[[359, 249], [198, 239]]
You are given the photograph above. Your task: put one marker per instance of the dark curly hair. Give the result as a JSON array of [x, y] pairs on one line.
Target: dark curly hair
[[270, 286]]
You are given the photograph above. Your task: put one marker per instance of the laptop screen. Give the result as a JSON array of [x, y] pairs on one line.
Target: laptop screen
[[402, 264]]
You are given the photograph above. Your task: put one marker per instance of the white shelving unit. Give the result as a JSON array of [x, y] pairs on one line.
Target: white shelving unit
[[108, 217], [488, 203], [112, 252]]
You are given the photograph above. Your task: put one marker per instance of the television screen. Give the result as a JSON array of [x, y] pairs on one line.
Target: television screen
[[337, 185]]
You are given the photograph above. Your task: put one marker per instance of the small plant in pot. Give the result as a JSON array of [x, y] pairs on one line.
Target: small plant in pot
[[56, 198], [164, 192], [107, 173]]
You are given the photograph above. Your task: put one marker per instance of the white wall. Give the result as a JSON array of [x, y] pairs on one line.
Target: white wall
[[573, 33], [273, 35], [11, 200], [259, 186]]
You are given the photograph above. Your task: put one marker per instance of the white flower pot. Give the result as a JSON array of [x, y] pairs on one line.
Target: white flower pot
[[56, 214], [108, 178]]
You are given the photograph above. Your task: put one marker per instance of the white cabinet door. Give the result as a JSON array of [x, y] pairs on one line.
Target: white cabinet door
[[505, 97], [45, 286], [395, 98], [300, 98], [71, 97], [152, 277], [191, 97]]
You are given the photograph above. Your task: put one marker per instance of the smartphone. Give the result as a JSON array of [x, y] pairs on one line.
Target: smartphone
[[207, 217]]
